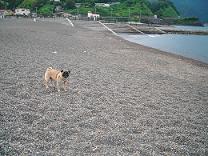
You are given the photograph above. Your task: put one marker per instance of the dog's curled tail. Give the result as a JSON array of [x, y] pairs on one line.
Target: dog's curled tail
[[49, 68]]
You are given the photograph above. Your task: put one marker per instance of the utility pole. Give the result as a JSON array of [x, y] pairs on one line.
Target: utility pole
[[77, 11], [129, 13], [140, 12], [77, 6]]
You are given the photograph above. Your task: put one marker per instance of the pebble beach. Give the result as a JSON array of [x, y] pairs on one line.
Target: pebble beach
[[122, 99]]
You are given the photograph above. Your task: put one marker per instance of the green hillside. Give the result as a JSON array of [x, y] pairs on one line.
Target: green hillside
[[119, 8]]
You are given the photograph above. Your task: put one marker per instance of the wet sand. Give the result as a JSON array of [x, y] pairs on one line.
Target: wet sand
[[123, 98]]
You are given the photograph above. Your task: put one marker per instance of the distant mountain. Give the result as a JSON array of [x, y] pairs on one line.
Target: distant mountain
[[163, 8], [194, 8]]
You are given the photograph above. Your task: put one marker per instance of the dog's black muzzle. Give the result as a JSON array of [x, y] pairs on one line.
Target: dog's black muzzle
[[65, 74]]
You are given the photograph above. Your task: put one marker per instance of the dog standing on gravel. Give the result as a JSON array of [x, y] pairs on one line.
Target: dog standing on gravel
[[55, 75]]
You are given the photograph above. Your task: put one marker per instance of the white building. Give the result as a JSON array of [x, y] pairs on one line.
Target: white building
[[22, 12], [102, 5], [55, 0], [2, 13], [93, 16]]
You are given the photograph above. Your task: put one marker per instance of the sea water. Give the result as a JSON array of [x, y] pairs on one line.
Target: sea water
[[190, 46]]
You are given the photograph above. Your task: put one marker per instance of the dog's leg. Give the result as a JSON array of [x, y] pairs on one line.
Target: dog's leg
[[46, 83], [65, 85], [53, 83], [46, 79], [57, 85]]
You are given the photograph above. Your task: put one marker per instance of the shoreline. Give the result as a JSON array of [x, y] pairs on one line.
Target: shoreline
[[177, 56], [191, 60]]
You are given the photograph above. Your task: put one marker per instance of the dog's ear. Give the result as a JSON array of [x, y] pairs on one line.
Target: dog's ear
[[62, 71]]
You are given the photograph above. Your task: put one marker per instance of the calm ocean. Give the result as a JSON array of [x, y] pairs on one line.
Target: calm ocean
[[191, 46]]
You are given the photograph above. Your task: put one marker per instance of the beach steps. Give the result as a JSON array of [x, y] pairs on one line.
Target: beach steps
[[130, 28], [121, 28], [181, 31], [92, 25], [150, 29]]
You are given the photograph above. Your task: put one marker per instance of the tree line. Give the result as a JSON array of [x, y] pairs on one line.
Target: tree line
[[134, 8]]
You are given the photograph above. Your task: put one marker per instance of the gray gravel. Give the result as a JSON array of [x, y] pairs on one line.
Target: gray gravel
[[123, 98]]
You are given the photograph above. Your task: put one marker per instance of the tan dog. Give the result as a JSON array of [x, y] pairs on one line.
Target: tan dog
[[58, 76]]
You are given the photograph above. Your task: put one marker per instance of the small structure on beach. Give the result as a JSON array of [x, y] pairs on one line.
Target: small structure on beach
[[22, 12], [2, 13], [92, 16]]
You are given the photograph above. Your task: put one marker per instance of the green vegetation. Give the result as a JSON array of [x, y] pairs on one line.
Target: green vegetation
[[124, 8], [188, 21], [120, 9], [46, 10], [28, 4], [167, 12]]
